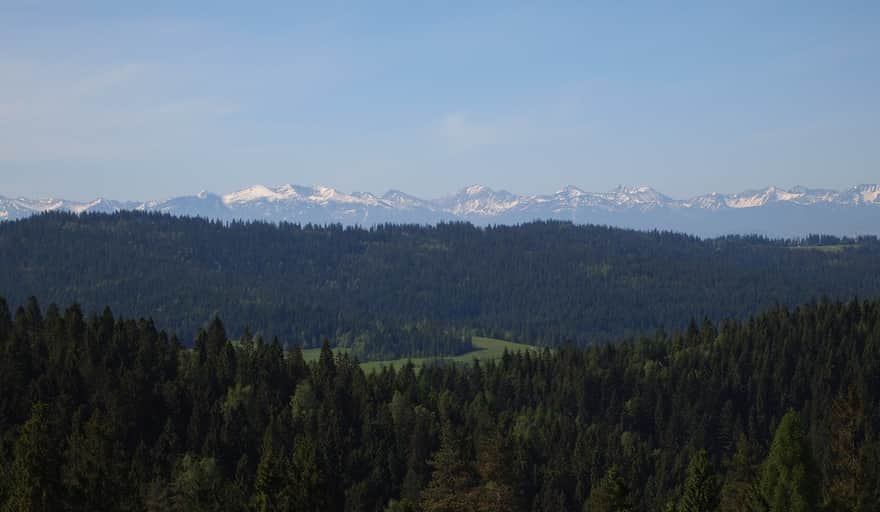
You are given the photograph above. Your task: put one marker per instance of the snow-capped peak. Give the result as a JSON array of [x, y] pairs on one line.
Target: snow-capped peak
[[395, 195], [755, 198], [252, 193], [623, 189], [480, 200], [260, 192], [86, 206], [475, 189], [570, 191], [866, 193], [637, 196], [398, 199], [287, 190], [323, 194]]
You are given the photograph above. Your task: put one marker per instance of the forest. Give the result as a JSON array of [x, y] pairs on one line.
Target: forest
[[407, 291], [774, 412]]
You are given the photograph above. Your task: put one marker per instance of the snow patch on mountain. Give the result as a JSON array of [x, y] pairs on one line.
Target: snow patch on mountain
[[258, 193], [866, 193]]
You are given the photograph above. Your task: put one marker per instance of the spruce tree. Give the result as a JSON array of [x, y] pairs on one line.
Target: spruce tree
[[739, 491], [789, 480], [33, 484], [270, 475], [611, 494], [452, 478], [701, 487]]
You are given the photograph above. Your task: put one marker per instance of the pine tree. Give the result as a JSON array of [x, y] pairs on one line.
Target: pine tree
[[788, 476], [33, 484], [199, 486], [495, 491], [5, 321], [92, 472], [270, 476], [305, 480], [739, 492], [701, 487], [452, 478], [325, 371], [847, 475], [418, 452], [610, 494]]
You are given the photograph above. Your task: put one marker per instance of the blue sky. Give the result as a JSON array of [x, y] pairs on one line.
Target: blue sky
[[137, 101]]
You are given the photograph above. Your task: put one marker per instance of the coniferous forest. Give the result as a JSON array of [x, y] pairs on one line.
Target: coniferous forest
[[304, 336], [775, 412], [405, 291]]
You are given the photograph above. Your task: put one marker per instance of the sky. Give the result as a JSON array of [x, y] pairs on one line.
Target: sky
[[144, 100]]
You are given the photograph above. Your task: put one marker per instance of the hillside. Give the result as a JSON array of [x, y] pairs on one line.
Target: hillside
[[416, 291]]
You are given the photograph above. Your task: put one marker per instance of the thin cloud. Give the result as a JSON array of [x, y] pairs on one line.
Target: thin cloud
[[55, 114], [462, 132], [105, 80]]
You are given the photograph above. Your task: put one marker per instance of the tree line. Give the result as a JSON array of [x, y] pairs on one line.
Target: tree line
[[775, 412]]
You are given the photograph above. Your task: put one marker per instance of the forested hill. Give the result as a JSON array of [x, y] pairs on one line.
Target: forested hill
[[777, 413], [416, 289]]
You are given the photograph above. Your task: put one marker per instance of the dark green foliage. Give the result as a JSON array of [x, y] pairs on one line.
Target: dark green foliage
[[740, 492], [452, 477], [610, 494], [198, 485], [270, 476], [101, 413], [847, 474], [789, 477], [701, 487], [395, 291], [95, 469], [31, 480]]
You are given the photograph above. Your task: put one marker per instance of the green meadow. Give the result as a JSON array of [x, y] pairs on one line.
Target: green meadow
[[825, 248], [486, 349]]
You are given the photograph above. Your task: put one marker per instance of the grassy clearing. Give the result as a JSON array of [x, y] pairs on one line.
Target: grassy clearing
[[486, 349], [825, 248]]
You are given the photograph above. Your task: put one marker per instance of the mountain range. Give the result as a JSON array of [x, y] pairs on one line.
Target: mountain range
[[770, 211]]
